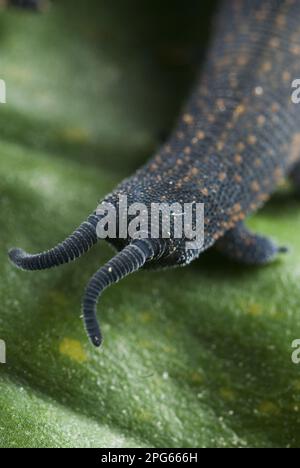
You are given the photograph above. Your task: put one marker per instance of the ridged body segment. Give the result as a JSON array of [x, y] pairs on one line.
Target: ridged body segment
[[239, 133]]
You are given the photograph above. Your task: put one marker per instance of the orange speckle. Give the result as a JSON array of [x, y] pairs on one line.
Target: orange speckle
[[261, 119], [261, 15], [236, 208], [286, 76], [280, 21], [239, 110], [263, 197], [255, 186], [200, 135], [278, 173], [188, 119], [252, 139], [295, 49], [242, 60], [258, 162], [221, 105], [266, 67], [238, 159], [274, 43], [217, 236], [220, 145], [240, 146]]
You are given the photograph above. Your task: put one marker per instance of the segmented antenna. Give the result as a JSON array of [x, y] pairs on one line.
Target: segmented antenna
[[129, 260], [73, 247]]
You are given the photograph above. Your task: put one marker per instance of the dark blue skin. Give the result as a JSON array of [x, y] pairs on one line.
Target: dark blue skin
[[237, 138]]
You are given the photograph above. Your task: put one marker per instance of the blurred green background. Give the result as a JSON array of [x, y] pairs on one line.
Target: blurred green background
[[193, 357]]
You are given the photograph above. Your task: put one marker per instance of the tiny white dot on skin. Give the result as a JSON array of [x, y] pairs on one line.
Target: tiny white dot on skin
[[258, 91]]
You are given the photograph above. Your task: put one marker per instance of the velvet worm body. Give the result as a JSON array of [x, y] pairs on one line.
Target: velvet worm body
[[236, 139]]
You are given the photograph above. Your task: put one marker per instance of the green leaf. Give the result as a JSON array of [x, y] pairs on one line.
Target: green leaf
[[193, 357]]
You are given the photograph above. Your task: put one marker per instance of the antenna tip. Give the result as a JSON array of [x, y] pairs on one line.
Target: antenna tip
[[283, 249], [16, 256], [96, 340]]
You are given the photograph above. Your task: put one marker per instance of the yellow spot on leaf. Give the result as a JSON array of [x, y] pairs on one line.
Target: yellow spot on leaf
[[296, 385], [268, 408], [169, 349], [254, 310], [146, 317], [58, 298], [73, 349], [17, 72], [197, 378], [227, 394], [144, 415], [145, 344], [75, 135]]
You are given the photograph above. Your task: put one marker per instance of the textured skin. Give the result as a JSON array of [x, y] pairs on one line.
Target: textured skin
[[241, 245], [237, 138], [134, 257], [239, 134]]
